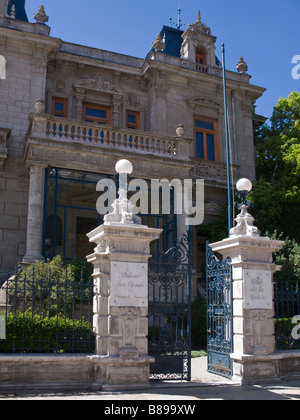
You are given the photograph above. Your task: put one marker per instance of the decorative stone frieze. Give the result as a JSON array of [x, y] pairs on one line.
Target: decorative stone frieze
[[98, 83]]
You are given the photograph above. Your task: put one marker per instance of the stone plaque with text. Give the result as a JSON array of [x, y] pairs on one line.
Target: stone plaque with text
[[258, 289], [129, 284]]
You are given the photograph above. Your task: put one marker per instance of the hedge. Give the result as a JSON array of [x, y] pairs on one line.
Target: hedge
[[28, 333]]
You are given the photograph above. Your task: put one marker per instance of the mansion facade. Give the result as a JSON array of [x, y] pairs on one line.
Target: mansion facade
[[69, 112]]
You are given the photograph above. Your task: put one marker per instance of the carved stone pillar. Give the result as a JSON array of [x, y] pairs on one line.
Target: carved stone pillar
[[253, 306], [121, 304], [116, 111], [79, 98], [121, 293], [35, 214]]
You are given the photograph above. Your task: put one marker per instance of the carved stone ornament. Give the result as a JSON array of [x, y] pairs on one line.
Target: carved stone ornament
[[129, 313], [40, 106], [245, 225], [122, 211], [13, 12], [158, 44], [41, 16], [98, 83], [204, 101], [242, 67], [199, 26]]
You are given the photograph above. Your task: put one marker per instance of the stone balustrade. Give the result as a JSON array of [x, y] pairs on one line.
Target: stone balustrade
[[104, 137]]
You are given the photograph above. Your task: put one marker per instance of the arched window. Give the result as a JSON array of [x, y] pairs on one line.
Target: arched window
[[2, 67], [200, 56]]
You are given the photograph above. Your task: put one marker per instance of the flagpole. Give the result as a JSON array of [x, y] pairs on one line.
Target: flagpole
[[230, 221]]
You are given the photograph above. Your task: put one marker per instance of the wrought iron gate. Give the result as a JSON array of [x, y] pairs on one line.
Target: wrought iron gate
[[219, 318], [170, 313]]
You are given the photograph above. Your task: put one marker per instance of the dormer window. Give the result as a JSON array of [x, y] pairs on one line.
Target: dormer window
[[200, 56]]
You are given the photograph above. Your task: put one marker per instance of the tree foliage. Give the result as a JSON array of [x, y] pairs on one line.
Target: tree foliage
[[276, 193]]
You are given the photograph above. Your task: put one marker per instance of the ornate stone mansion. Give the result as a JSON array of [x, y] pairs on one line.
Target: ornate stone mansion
[[69, 112]]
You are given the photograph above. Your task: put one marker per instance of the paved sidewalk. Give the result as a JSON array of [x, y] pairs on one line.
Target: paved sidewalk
[[178, 392], [204, 386]]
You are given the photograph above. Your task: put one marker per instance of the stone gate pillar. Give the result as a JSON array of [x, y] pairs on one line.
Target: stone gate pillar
[[253, 294], [121, 298]]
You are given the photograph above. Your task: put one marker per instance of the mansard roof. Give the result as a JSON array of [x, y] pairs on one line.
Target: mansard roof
[[20, 9], [172, 38]]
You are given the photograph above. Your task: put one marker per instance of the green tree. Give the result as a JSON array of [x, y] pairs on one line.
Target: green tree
[[276, 193]]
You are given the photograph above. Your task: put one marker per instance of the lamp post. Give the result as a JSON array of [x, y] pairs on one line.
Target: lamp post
[[245, 222], [122, 207]]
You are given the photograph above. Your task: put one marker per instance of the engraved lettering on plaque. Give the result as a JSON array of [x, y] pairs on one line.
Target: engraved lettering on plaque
[[129, 284], [258, 289]]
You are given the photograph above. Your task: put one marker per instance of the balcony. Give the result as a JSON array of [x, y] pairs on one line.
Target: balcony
[[104, 137], [76, 144]]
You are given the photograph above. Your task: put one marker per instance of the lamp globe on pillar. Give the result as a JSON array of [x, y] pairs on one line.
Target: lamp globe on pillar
[[123, 168], [244, 187], [244, 221]]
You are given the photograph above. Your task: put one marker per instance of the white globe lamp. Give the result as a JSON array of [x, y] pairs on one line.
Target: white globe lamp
[[244, 184], [124, 167]]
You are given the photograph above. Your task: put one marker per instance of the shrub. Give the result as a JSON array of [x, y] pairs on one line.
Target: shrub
[[29, 333]]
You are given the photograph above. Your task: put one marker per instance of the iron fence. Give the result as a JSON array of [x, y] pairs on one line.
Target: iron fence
[[287, 307], [47, 313]]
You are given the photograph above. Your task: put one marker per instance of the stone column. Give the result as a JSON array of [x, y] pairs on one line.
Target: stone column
[[253, 305], [35, 214]]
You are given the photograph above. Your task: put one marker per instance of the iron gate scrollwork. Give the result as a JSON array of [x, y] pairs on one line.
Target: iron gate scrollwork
[[170, 313], [219, 314]]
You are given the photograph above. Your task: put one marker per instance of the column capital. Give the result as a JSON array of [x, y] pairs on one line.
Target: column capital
[[245, 250], [36, 167]]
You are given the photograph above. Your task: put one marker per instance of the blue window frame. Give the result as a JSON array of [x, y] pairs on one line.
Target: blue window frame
[[96, 114], [59, 107], [206, 139], [133, 120]]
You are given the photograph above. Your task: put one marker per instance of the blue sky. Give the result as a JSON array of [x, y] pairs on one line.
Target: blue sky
[[265, 32]]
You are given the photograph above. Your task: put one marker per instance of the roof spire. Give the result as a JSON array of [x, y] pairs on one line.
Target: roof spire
[[179, 24]]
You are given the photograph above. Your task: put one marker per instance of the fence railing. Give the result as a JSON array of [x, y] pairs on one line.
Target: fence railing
[[49, 313], [287, 307]]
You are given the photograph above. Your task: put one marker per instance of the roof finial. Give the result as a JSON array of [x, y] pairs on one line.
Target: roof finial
[[198, 17], [41, 16]]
